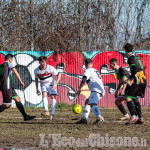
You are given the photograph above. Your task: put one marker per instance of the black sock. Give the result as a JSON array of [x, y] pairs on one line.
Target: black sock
[[131, 108], [2, 107], [122, 109], [21, 109], [138, 109]]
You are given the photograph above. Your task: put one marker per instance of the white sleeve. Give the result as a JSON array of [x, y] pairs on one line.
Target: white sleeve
[[11, 65], [87, 74], [54, 71]]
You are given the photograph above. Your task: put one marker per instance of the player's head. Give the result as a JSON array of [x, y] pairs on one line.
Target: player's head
[[128, 47], [9, 58], [88, 63], [113, 63], [42, 61]]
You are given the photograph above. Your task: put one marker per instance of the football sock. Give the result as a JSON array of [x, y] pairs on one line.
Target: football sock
[[2, 107], [138, 109], [122, 109], [53, 105], [86, 111], [45, 103], [96, 111], [134, 101], [21, 109], [131, 108]]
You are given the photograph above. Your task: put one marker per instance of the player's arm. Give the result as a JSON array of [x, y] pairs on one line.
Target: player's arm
[[84, 79], [124, 85], [133, 68], [36, 85], [18, 76], [57, 81], [118, 88]]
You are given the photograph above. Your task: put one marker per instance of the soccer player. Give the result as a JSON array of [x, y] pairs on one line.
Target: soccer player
[[139, 83], [95, 84], [122, 75], [48, 84], [7, 90]]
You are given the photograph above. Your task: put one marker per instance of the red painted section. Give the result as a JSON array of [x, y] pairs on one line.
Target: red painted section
[[70, 66]]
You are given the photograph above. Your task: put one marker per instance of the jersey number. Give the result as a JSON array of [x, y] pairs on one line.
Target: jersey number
[[99, 76], [140, 62]]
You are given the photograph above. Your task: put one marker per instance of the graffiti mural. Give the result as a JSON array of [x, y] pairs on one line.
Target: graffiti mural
[[71, 67]]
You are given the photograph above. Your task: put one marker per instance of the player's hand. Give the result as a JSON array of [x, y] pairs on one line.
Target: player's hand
[[122, 92], [38, 92], [126, 81], [78, 92], [54, 86], [22, 84], [116, 94]]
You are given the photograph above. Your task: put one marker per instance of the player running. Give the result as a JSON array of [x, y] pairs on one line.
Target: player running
[[7, 90], [95, 84], [139, 83], [48, 84], [122, 75]]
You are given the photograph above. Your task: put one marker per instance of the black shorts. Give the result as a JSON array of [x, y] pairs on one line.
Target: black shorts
[[8, 95], [135, 90]]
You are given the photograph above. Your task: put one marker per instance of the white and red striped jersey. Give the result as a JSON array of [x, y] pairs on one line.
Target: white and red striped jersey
[[46, 76]]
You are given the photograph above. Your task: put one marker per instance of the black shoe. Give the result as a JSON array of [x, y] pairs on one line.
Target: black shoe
[[99, 120], [29, 118], [82, 121], [139, 121]]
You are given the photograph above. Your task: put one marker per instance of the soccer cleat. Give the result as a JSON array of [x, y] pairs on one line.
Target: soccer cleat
[[139, 121], [131, 121], [45, 113], [29, 118], [52, 117], [125, 117], [99, 120], [82, 121]]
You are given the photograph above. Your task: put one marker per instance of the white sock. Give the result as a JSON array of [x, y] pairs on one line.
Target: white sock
[[53, 105], [86, 112], [45, 103], [96, 111]]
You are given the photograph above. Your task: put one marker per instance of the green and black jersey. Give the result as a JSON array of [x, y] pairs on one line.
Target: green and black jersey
[[137, 70], [122, 73], [6, 75]]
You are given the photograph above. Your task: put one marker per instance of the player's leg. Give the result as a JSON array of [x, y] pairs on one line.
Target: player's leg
[[4, 106], [121, 108], [21, 108], [7, 94], [45, 103], [131, 92], [131, 108], [53, 106], [45, 100], [52, 92], [93, 101], [137, 107], [97, 113], [85, 114]]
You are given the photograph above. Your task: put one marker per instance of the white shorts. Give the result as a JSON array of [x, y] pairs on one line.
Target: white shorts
[[48, 88], [94, 98]]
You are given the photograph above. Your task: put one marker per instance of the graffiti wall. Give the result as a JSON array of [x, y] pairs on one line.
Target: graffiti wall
[[71, 67]]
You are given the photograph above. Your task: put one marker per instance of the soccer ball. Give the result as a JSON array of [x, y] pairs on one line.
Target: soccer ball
[[77, 108]]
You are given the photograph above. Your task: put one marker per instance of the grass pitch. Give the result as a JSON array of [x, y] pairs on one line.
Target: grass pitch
[[16, 133]]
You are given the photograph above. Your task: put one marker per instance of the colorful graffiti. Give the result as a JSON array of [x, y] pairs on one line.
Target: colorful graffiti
[[71, 67]]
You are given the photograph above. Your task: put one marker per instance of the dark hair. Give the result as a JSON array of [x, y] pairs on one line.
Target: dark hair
[[88, 61], [8, 56], [113, 60], [128, 47], [42, 58]]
